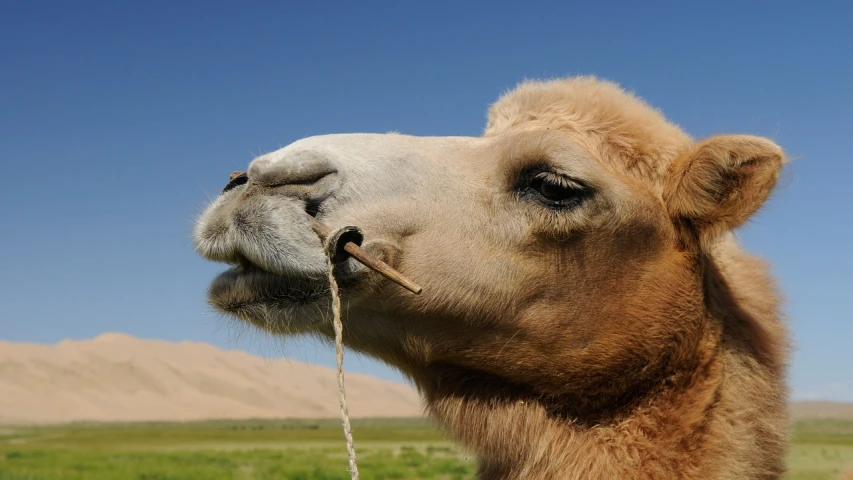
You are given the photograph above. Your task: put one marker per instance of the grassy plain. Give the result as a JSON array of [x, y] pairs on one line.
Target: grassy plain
[[300, 449]]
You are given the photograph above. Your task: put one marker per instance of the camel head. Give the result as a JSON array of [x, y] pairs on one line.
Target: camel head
[[562, 253]]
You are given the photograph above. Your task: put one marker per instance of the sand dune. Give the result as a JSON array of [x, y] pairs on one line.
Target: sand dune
[[821, 409], [116, 377]]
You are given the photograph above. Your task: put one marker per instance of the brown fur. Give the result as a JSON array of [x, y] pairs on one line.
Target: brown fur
[[714, 405], [628, 338]]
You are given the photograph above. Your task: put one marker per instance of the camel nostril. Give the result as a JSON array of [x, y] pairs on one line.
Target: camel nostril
[[237, 179], [302, 179], [310, 178], [312, 206]]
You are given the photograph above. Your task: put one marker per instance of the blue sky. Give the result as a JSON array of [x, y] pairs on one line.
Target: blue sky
[[119, 120]]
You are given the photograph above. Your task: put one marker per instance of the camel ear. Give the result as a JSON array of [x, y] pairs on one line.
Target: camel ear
[[720, 182]]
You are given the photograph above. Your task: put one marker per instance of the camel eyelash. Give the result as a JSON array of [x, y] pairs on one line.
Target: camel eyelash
[[551, 189]]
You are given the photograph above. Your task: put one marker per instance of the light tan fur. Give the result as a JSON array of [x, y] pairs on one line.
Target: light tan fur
[[627, 337]]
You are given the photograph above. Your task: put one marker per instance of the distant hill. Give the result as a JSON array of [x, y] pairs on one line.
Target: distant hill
[[116, 377], [821, 409]]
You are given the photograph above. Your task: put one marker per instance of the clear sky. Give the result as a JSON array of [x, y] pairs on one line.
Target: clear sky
[[118, 120]]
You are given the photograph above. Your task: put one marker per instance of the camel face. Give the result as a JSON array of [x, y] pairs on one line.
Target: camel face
[[559, 252]]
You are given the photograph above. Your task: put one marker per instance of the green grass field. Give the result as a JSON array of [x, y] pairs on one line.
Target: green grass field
[[300, 449]]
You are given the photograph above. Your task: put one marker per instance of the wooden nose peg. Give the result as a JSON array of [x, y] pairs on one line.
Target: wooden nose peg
[[346, 242]]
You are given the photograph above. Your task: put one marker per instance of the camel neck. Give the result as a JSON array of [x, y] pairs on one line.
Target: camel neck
[[667, 434]]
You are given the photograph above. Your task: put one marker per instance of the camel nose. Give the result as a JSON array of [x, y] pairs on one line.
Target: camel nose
[[301, 167]]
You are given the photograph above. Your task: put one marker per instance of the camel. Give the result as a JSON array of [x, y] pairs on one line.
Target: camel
[[587, 311]]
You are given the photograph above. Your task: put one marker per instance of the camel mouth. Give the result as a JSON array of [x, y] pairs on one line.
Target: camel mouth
[[245, 286], [268, 299]]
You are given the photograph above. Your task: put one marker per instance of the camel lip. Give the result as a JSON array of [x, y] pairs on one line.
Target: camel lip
[[241, 290], [241, 287]]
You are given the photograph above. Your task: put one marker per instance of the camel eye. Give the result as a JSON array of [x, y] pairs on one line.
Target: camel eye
[[555, 190]]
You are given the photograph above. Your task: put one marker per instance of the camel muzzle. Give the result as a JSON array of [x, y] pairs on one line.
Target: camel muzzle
[[343, 243]]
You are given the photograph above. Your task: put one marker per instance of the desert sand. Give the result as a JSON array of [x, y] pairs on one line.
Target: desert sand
[[116, 377]]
